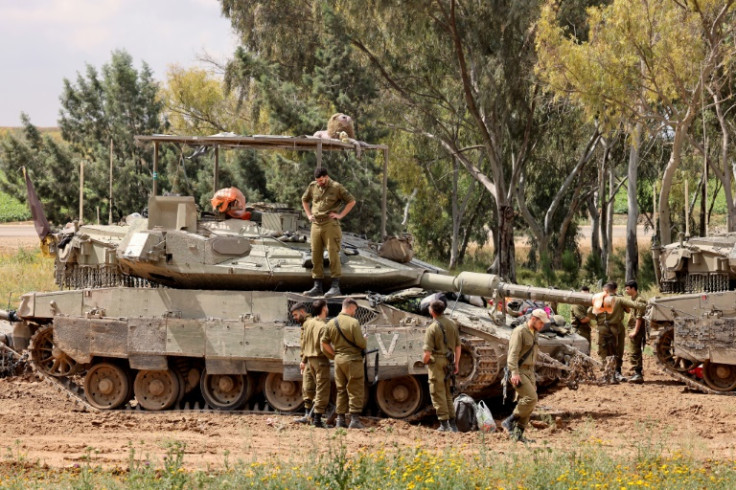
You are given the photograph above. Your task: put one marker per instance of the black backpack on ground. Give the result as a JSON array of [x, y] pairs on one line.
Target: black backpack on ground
[[465, 413]]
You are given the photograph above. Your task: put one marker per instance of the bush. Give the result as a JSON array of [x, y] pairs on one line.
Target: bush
[[12, 209]]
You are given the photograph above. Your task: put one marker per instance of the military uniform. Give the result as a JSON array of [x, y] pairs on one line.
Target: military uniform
[[611, 332], [578, 312], [317, 363], [308, 381], [325, 230], [439, 383], [635, 344], [523, 338], [349, 376]]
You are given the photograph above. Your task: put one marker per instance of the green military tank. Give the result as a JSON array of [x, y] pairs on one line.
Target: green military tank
[[179, 304]]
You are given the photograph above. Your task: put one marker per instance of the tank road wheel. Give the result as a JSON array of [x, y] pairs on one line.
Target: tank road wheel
[[107, 386], [399, 397], [720, 377], [156, 390], [48, 358], [282, 395], [225, 391], [665, 350]]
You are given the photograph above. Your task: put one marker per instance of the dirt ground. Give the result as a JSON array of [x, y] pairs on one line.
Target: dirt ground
[[40, 424]]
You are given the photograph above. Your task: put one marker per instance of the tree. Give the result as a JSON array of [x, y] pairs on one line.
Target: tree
[[113, 106], [644, 62]]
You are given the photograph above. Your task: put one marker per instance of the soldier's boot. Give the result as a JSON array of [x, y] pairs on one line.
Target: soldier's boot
[[453, 426], [305, 418], [355, 422], [444, 426], [518, 436], [317, 421], [316, 289], [340, 422], [509, 423], [619, 377], [637, 378], [334, 288]]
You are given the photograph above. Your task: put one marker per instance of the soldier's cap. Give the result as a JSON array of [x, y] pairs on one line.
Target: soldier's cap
[[541, 314], [559, 320]]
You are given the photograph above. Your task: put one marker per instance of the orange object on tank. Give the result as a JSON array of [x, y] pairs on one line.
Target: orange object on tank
[[231, 202]]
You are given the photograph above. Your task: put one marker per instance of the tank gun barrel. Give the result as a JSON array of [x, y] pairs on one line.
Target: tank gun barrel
[[474, 283], [10, 316]]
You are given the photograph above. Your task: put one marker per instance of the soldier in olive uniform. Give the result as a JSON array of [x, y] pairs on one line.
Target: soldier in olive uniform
[[441, 347], [523, 344], [611, 332], [343, 338], [636, 332], [321, 202], [580, 319], [300, 315], [317, 362]]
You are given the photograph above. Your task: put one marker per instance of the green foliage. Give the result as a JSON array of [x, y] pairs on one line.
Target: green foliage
[[594, 271], [11, 209], [570, 269]]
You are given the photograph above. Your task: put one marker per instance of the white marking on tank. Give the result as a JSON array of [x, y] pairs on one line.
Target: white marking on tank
[[391, 348]]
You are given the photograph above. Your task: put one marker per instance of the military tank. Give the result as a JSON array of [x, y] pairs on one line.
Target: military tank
[[697, 264], [106, 346], [179, 303], [692, 327]]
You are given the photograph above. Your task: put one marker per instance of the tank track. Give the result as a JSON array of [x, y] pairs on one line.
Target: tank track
[[691, 381], [486, 366]]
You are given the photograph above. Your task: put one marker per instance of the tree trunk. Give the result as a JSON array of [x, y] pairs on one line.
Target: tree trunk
[[609, 220], [665, 221], [632, 246], [506, 252], [595, 223]]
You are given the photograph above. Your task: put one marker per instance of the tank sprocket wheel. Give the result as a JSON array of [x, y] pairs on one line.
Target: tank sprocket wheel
[[399, 397], [720, 377], [282, 395], [48, 358], [225, 391], [665, 350], [156, 390], [107, 386]]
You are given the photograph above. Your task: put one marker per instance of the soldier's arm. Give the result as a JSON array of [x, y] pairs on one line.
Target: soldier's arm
[[458, 352], [428, 345], [327, 342], [512, 360]]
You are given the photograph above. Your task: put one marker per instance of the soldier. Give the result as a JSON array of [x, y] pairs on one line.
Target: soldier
[[611, 332], [636, 332], [343, 339], [321, 202], [300, 315], [520, 363], [317, 361], [580, 319], [442, 357]]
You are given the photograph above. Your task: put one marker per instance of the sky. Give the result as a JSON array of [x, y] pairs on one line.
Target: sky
[[42, 42]]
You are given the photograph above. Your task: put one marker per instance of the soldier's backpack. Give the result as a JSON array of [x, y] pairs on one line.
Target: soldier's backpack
[[465, 413]]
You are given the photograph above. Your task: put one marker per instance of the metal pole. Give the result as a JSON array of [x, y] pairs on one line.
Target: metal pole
[[384, 194], [155, 168], [217, 167], [81, 191], [109, 217]]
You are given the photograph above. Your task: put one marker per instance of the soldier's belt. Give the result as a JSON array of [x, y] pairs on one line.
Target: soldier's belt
[[322, 221]]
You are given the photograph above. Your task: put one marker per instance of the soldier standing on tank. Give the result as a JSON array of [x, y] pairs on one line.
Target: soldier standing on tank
[[317, 362], [636, 332], [442, 357], [580, 319], [300, 315], [321, 202], [520, 362], [343, 339]]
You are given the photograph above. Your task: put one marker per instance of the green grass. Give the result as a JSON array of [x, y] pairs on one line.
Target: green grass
[[12, 209], [22, 272], [588, 465]]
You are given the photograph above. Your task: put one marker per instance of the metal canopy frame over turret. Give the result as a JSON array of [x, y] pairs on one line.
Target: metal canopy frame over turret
[[267, 142]]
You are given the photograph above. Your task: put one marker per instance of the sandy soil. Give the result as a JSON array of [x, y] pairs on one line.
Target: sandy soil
[[40, 424]]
